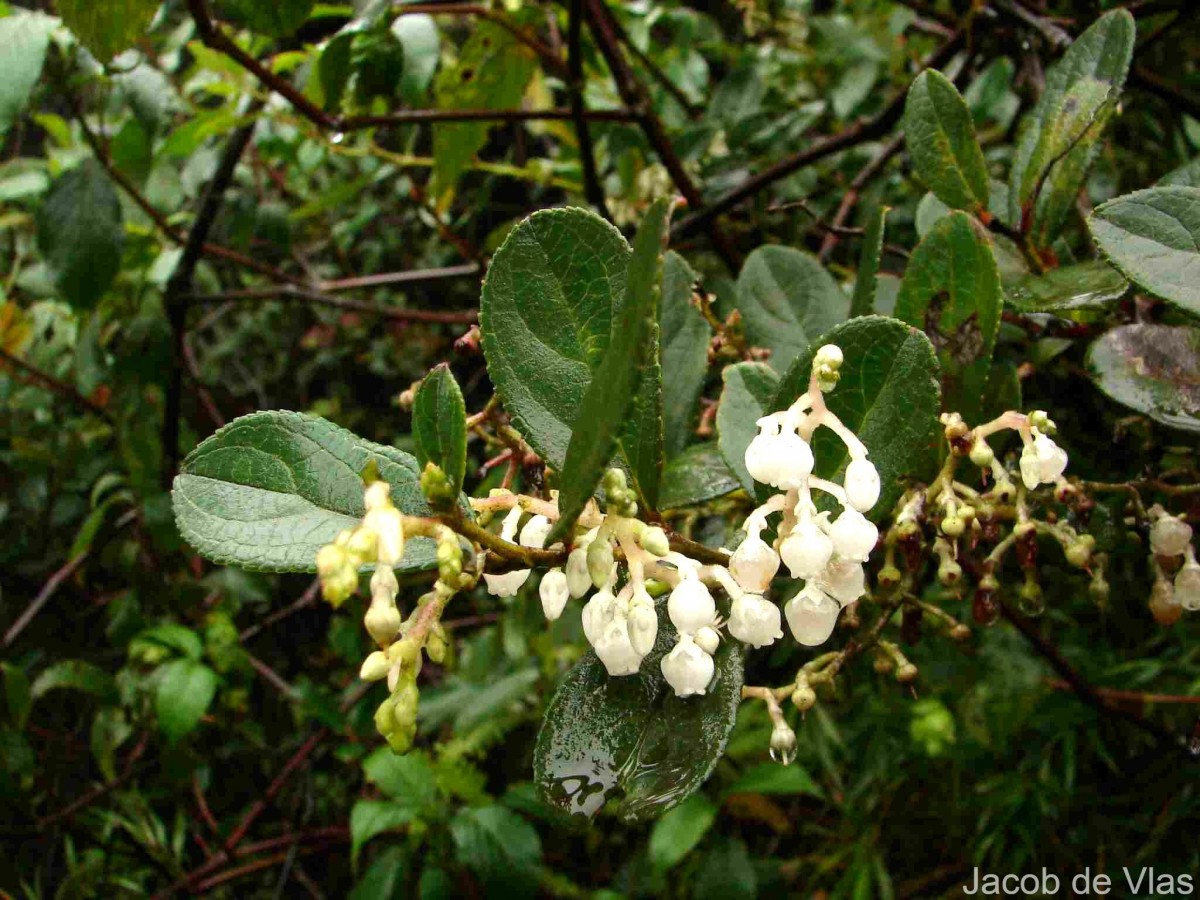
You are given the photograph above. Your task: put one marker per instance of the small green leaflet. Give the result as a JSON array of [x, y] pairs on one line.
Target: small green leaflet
[[862, 303], [440, 425]]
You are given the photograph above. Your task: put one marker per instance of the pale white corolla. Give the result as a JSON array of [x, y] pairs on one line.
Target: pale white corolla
[[861, 484], [506, 584], [535, 532], [811, 616], [778, 456], [807, 550], [384, 521], [643, 622], [579, 581], [754, 564], [554, 593], [754, 620], [1169, 536], [691, 606], [597, 612], [844, 580], [615, 648], [853, 535], [1042, 461], [1187, 584], [688, 669]]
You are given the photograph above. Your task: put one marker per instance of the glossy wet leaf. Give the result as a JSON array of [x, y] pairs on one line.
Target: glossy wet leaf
[[1152, 237], [951, 291], [106, 27], [698, 474], [940, 137], [492, 72], [184, 690], [546, 313], [268, 490], [440, 425], [683, 336], [1088, 285], [888, 395], [418, 35], [787, 299], [632, 737], [25, 37], [629, 366], [1061, 135], [80, 233], [748, 392], [862, 302], [1153, 369]]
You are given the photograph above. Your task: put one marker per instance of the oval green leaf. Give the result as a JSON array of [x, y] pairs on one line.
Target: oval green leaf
[[80, 233], [1153, 237], [684, 338], [941, 141], [185, 690], [440, 425], [786, 299], [632, 736], [1154, 369], [106, 27], [268, 490]]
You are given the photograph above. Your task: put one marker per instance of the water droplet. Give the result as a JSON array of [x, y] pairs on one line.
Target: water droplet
[[337, 137]]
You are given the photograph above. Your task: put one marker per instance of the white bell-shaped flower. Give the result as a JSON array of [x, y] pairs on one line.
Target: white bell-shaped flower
[[795, 460], [861, 484], [376, 495], [554, 593], [535, 532], [643, 623], [506, 584], [755, 620], [579, 581], [1170, 536], [811, 615], [853, 535], [691, 606], [762, 457], [844, 580], [597, 613], [807, 549], [687, 668], [1042, 461], [615, 649], [753, 564], [387, 524], [1187, 586]]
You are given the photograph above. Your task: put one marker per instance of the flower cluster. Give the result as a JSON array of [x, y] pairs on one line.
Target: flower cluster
[[1171, 548], [825, 553]]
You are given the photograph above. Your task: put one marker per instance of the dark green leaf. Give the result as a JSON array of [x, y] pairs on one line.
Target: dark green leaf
[[268, 490], [110, 729], [698, 474], [277, 18], [951, 291], [106, 27], [185, 690], [1154, 369], [941, 141], [862, 302], [1187, 175], [80, 233], [601, 416], [602, 736], [677, 833], [493, 70], [331, 71], [17, 695], [178, 637], [1152, 237], [771, 778], [1061, 135], [888, 395], [386, 877], [749, 389], [25, 37], [369, 818], [546, 313], [440, 425], [726, 872], [1086, 286], [684, 338], [75, 675], [502, 849], [787, 299]]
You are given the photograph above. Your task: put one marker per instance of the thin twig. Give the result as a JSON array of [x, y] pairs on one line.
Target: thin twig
[[850, 198], [592, 188], [35, 376], [307, 599], [422, 116], [292, 292]]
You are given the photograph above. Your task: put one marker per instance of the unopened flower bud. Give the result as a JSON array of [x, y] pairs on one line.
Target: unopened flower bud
[[1187, 585], [361, 545], [436, 646], [953, 525], [579, 581], [906, 673], [331, 559], [1079, 551], [600, 561], [959, 632], [654, 541], [949, 572], [1163, 605], [1169, 536], [861, 484], [754, 564], [643, 624], [375, 666], [382, 623], [535, 532], [1030, 600], [783, 743], [708, 640], [435, 485], [553, 592], [449, 560], [804, 697], [889, 576], [982, 454]]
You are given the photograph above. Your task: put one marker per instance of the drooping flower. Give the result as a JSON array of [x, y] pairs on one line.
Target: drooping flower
[[811, 616], [754, 620], [1042, 461], [687, 668]]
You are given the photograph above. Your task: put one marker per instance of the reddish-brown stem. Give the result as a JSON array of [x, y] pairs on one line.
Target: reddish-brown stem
[[297, 760], [850, 198], [31, 374]]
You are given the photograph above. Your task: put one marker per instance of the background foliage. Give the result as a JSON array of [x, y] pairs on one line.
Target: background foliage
[[184, 246]]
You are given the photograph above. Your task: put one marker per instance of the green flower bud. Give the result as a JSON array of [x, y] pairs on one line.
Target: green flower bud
[[436, 486], [331, 559], [449, 560], [1029, 599], [435, 647], [600, 561], [654, 541], [385, 719], [401, 740], [614, 482], [889, 576], [382, 622], [906, 673], [375, 667], [1079, 551], [960, 632], [404, 652], [337, 588], [982, 454], [804, 697], [361, 546], [949, 572], [953, 526], [406, 699]]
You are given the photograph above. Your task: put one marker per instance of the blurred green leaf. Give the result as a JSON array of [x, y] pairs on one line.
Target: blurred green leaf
[[408, 779], [25, 37], [369, 818], [684, 349], [501, 848], [17, 695], [80, 233], [185, 690], [75, 675], [279, 18], [386, 877], [771, 778], [106, 27], [680, 829], [862, 303], [698, 474]]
